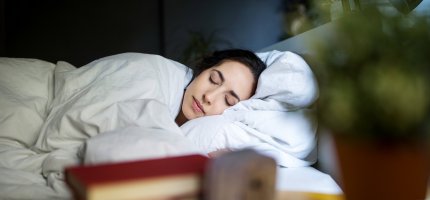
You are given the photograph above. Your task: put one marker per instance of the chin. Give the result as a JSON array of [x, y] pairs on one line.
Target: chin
[[190, 115]]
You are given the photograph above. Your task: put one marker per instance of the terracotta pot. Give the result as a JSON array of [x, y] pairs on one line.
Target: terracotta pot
[[382, 171]]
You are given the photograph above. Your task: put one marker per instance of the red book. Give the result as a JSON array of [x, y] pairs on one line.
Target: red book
[[165, 178]]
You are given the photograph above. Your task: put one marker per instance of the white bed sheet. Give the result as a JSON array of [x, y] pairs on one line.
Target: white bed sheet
[[306, 179]]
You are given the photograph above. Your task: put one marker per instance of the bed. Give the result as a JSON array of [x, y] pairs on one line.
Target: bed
[[122, 107]]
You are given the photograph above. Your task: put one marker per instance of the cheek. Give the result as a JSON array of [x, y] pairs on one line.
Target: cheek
[[195, 85], [217, 108], [185, 108], [247, 91]]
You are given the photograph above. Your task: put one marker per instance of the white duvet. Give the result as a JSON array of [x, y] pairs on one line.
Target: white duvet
[[123, 107], [48, 112]]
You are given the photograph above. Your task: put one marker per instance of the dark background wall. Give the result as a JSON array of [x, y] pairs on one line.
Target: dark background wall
[[2, 28], [81, 31]]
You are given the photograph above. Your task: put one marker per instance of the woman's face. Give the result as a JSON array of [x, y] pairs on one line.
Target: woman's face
[[217, 88]]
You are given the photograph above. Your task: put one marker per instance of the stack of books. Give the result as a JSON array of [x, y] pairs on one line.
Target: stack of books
[[244, 174], [165, 178]]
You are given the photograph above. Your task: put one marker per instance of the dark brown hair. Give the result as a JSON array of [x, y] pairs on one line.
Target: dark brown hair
[[248, 58]]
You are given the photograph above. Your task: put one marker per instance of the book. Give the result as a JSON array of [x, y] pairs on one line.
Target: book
[[164, 178]]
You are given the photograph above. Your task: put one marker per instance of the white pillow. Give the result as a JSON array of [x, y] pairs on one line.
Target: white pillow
[[26, 91], [295, 148], [213, 133], [288, 79]]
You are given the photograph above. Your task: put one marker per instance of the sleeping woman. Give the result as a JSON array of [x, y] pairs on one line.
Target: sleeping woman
[[133, 106], [220, 81]]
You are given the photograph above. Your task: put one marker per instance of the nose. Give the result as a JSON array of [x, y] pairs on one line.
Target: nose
[[209, 96]]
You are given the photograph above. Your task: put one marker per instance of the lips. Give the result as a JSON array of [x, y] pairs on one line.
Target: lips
[[197, 107]]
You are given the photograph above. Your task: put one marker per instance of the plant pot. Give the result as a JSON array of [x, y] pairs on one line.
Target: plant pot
[[377, 170]]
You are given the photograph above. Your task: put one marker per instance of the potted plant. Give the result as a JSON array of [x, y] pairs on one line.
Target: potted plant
[[374, 75]]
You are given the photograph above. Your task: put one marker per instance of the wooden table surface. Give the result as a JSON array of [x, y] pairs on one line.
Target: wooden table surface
[[290, 195]]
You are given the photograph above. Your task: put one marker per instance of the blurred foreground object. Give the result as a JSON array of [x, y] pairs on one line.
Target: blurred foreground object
[[374, 75], [405, 6], [244, 175], [164, 178]]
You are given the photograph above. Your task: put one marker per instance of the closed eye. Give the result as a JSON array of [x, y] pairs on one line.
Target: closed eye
[[230, 100], [216, 77], [212, 81]]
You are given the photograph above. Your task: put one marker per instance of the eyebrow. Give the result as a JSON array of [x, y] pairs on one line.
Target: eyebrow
[[222, 80]]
